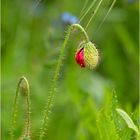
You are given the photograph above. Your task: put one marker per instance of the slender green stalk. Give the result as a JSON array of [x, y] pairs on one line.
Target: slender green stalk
[[93, 2], [96, 9], [52, 91], [114, 1], [22, 87], [28, 110], [82, 11]]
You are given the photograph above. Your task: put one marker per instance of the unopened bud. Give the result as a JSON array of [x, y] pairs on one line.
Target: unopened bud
[[24, 86], [87, 55]]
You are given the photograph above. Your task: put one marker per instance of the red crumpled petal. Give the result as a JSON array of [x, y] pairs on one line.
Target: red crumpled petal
[[80, 57]]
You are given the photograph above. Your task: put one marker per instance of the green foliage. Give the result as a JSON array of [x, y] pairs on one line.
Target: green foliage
[[85, 106], [128, 120]]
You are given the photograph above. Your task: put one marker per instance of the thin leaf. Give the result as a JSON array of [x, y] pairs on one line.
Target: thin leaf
[[128, 120]]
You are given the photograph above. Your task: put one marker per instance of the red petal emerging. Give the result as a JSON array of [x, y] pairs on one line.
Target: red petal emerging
[[80, 57]]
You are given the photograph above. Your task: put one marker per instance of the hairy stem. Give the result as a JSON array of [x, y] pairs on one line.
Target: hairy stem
[[28, 110], [22, 87], [52, 91]]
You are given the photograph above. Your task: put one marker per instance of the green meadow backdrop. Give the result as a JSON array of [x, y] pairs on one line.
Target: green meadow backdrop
[[32, 37]]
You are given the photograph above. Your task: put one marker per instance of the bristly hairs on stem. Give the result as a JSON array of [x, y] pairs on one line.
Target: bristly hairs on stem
[[52, 91], [23, 88]]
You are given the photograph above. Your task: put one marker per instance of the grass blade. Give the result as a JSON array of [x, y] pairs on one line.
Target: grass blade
[[90, 7], [94, 13], [114, 1]]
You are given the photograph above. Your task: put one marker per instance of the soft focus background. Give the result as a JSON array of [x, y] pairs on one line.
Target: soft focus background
[[32, 36]]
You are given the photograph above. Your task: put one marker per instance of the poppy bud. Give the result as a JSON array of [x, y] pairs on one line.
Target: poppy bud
[[87, 55]]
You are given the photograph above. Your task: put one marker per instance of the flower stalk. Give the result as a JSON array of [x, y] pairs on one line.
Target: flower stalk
[[52, 91], [23, 88]]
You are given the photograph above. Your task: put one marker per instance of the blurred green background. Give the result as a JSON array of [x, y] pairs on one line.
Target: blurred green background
[[32, 36]]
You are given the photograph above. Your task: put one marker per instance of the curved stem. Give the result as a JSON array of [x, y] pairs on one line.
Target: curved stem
[[52, 91], [82, 30], [25, 89]]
